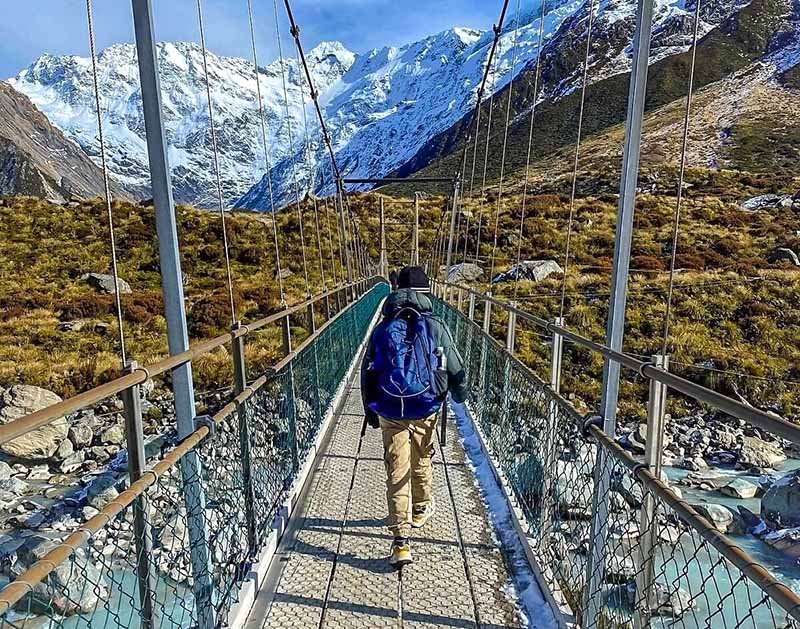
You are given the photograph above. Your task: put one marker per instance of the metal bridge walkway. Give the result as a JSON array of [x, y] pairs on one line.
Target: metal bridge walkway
[[331, 569]]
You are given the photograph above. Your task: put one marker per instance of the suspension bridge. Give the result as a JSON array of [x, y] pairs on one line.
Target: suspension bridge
[[269, 511]]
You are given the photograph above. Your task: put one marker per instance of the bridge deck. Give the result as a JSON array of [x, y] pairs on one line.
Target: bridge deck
[[331, 570]]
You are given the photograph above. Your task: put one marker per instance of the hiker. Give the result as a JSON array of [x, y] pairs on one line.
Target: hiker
[[410, 364], [393, 279]]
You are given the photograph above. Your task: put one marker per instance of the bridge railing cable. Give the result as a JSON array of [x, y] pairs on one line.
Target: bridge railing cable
[[107, 573], [664, 560]]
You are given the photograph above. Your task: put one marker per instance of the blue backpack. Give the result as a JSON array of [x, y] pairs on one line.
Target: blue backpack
[[409, 374]]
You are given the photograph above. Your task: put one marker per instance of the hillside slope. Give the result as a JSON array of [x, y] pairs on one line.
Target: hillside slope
[[37, 159]]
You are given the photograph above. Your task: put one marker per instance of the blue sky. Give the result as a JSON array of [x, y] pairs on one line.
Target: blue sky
[[30, 27]]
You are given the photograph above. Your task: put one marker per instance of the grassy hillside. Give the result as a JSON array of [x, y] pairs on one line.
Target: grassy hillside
[[735, 310]]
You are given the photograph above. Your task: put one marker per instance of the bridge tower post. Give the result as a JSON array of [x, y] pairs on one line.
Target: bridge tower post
[[595, 568], [172, 289]]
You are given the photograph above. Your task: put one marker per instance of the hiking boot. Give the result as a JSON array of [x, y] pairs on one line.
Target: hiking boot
[[420, 515], [401, 553]]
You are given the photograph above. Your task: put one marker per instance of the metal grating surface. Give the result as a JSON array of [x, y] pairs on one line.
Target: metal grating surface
[[334, 572]]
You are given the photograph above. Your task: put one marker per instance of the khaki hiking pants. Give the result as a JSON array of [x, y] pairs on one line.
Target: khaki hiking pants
[[407, 452]]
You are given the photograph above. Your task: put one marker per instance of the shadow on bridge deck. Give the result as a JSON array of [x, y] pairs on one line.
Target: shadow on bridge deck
[[331, 569]]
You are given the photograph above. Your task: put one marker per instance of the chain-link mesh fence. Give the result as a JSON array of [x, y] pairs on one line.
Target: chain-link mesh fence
[[174, 549], [652, 562]]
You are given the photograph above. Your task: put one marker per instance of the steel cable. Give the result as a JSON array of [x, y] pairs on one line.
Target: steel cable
[[536, 77], [291, 154], [268, 165], [681, 175], [106, 183], [577, 156], [215, 152], [312, 177], [486, 154], [505, 141]]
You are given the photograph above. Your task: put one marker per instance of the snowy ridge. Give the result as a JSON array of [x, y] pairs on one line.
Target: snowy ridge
[[381, 107]]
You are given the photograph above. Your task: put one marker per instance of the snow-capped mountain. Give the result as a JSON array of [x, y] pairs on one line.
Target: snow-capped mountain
[[381, 107], [62, 88]]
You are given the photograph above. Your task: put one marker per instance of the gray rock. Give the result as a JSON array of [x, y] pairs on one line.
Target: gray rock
[[786, 541], [101, 499], [780, 505], [784, 253], [464, 272], [533, 270], [81, 434], [105, 283], [73, 462], [719, 516], [284, 274], [40, 444], [740, 488], [64, 590], [756, 452], [14, 486], [6, 471], [114, 435], [619, 569], [766, 202], [64, 451]]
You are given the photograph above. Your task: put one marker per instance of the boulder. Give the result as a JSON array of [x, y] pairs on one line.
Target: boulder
[[668, 601], [755, 452], [285, 274], [740, 488], [464, 272], [784, 253], [766, 202], [720, 517], [105, 283], [40, 444], [6, 471], [64, 590], [780, 505], [786, 541], [114, 435], [533, 270], [81, 434]]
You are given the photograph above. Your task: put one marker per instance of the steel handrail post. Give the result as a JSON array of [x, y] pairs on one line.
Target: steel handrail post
[[142, 527], [648, 522], [239, 385]]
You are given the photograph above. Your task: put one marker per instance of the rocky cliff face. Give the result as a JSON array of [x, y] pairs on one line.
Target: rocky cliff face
[[36, 158]]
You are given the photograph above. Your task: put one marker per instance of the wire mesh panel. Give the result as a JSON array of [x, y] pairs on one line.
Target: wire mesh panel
[[161, 557], [538, 442]]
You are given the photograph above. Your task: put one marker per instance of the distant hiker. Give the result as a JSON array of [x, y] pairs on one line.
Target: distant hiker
[[393, 279], [410, 365]]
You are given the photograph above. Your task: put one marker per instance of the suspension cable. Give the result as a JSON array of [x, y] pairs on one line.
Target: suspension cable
[[577, 156], [106, 183], [215, 151], [290, 138], [326, 138], [681, 176], [313, 177], [268, 165], [536, 77], [505, 140], [486, 156]]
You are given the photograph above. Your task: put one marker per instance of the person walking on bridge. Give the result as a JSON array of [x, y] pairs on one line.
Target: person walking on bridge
[[410, 365]]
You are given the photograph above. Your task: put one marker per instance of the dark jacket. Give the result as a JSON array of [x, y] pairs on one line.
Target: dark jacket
[[403, 298]]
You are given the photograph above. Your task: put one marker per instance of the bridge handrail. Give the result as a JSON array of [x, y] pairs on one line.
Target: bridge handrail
[[762, 419], [753, 570], [24, 584], [500, 414], [142, 374]]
